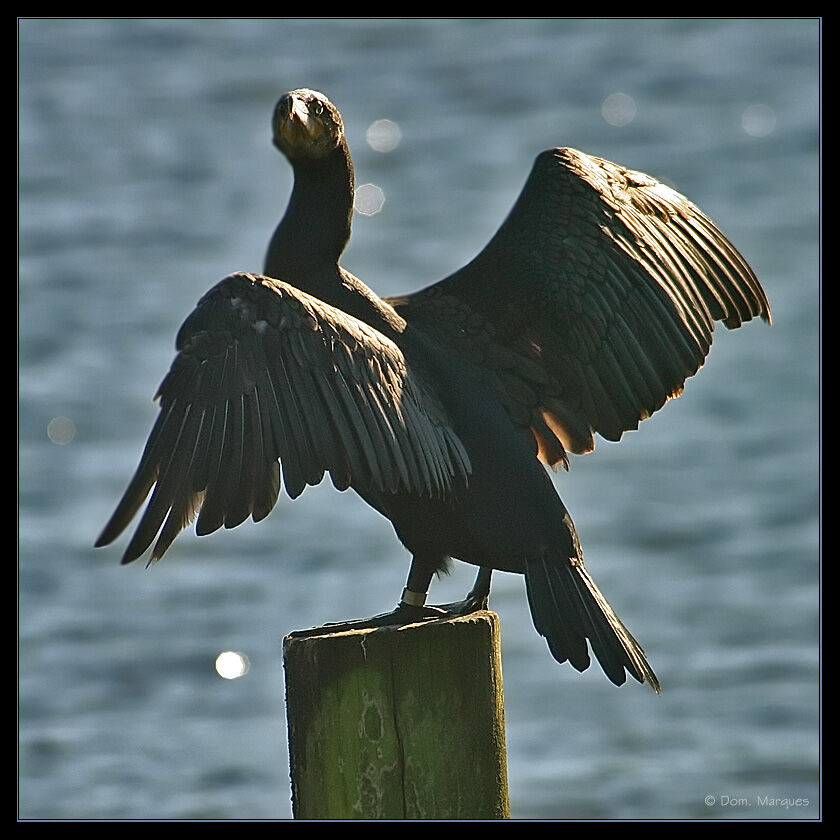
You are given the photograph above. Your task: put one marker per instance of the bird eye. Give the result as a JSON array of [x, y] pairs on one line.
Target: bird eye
[[318, 108]]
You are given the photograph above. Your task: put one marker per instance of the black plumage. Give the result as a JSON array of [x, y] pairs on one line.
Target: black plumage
[[588, 309]]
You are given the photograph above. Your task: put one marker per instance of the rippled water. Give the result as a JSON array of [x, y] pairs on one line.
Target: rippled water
[[146, 174]]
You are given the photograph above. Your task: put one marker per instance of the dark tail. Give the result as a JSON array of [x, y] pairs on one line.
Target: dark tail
[[568, 608]]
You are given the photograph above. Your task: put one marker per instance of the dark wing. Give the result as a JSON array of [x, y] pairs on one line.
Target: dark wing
[[267, 377], [593, 303]]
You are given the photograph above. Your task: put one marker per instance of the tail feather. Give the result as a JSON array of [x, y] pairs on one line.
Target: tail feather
[[568, 609], [556, 617]]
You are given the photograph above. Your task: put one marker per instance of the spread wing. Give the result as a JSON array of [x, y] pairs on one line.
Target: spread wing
[[269, 381], [593, 303]]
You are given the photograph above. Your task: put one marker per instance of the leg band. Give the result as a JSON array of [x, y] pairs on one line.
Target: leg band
[[413, 599]]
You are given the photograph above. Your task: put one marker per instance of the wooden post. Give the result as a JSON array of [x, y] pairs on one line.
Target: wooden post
[[398, 723]]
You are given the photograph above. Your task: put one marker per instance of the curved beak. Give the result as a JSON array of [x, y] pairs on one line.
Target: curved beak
[[292, 116]]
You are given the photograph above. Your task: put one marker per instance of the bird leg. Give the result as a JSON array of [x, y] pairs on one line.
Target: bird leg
[[417, 586], [477, 598], [412, 607]]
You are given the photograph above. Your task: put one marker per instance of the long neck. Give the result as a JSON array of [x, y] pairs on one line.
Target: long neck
[[312, 235], [316, 226]]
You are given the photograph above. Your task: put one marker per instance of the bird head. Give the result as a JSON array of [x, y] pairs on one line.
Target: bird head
[[306, 124]]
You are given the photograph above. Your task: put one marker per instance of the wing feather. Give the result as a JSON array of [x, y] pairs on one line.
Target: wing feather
[[272, 386], [606, 281]]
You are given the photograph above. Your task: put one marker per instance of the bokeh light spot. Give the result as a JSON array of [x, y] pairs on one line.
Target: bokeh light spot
[[618, 109], [61, 430], [383, 136], [758, 120], [231, 664], [369, 199]]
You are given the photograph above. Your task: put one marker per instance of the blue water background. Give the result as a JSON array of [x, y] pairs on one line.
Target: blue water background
[[146, 174]]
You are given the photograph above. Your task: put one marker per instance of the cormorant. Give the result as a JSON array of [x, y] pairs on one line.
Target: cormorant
[[588, 309]]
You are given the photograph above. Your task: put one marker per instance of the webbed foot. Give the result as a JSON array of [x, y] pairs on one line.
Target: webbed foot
[[411, 609], [472, 603], [403, 614]]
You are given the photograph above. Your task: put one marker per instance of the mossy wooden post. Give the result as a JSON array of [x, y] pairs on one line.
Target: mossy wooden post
[[398, 723]]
